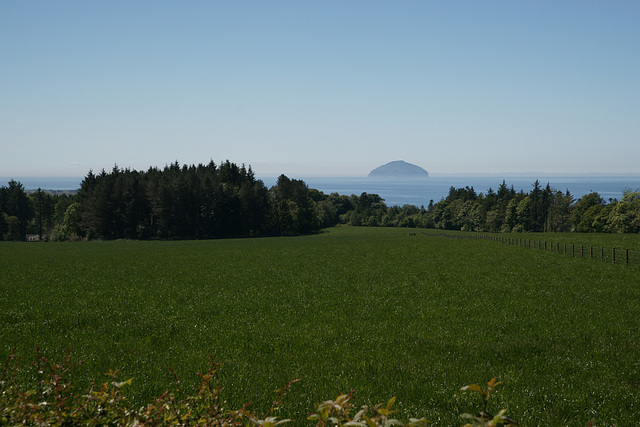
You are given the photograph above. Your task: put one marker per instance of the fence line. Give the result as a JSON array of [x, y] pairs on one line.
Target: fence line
[[613, 255]]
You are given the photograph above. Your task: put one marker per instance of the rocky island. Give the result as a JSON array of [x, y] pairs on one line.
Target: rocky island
[[399, 169]]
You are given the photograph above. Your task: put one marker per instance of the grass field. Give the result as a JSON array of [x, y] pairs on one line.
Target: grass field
[[376, 310], [596, 246]]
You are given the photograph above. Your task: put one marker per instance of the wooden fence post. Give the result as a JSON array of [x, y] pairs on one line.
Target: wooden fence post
[[613, 255], [591, 251], [601, 253], [627, 256]]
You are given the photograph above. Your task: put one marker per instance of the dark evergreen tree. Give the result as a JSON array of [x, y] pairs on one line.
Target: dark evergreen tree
[[16, 205], [203, 201]]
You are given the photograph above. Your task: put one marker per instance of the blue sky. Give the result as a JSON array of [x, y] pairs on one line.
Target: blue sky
[[320, 88]]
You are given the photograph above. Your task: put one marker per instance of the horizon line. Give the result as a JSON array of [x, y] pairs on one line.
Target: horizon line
[[324, 175]]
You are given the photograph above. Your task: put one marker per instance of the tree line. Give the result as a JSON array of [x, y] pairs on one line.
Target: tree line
[[543, 209], [226, 200], [39, 213], [175, 202]]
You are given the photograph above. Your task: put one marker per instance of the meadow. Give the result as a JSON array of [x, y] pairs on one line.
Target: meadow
[[381, 311]]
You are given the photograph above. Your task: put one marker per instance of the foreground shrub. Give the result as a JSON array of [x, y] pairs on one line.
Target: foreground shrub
[[485, 418], [54, 401]]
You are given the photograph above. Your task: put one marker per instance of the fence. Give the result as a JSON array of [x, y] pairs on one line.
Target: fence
[[600, 253]]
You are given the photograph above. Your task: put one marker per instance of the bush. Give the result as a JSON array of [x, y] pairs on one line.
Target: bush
[[53, 400]]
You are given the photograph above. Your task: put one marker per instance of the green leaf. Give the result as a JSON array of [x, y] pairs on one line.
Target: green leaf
[[391, 402], [120, 384], [370, 422], [473, 387]]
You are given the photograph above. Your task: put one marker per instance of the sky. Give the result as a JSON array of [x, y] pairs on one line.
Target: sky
[[320, 88]]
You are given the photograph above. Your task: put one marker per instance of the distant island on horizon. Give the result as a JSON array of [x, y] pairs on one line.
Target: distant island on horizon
[[399, 169]]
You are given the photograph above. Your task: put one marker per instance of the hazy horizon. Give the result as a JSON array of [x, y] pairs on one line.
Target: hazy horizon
[[320, 89], [506, 174]]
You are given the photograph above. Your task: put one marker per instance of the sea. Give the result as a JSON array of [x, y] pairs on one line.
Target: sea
[[420, 191], [414, 191]]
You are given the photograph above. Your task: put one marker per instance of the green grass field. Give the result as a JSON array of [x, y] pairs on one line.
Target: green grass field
[[379, 311]]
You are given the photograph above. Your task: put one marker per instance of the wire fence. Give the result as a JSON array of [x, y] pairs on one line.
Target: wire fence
[[598, 253]]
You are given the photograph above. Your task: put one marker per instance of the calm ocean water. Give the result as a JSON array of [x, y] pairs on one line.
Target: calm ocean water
[[420, 191], [414, 191]]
